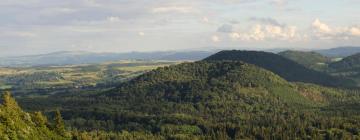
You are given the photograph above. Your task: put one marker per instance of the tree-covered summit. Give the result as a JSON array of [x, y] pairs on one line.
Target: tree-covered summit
[[192, 81], [312, 60], [282, 66]]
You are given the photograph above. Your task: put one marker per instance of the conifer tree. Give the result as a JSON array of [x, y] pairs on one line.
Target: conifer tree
[[59, 124]]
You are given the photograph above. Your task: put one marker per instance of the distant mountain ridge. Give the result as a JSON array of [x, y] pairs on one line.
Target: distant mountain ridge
[[339, 51], [82, 57], [282, 66]]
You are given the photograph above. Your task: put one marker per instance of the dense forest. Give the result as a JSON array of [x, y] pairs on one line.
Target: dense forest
[[17, 124], [312, 60], [226, 96], [350, 62], [208, 100], [343, 68], [282, 66]]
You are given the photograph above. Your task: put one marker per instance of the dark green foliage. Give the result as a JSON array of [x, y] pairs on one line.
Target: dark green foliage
[[59, 126], [348, 67], [342, 51], [348, 63], [124, 135], [285, 68], [310, 60], [211, 99], [16, 124], [26, 79], [208, 100]]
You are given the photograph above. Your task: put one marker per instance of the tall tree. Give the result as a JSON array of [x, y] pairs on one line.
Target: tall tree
[[59, 124]]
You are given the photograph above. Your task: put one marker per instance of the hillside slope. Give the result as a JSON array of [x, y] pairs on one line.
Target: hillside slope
[[348, 63], [210, 100], [348, 67], [310, 60], [196, 78], [17, 124], [285, 68]]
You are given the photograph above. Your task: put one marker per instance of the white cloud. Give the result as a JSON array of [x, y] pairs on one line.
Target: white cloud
[[355, 31], [63, 10], [284, 33], [320, 27], [215, 38], [234, 35], [25, 34], [205, 19], [141, 33], [176, 9], [113, 19], [279, 2], [261, 32], [323, 31], [265, 29], [257, 33], [22, 34]]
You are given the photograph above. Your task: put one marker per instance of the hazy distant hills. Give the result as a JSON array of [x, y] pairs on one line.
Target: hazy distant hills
[[80, 57], [339, 51]]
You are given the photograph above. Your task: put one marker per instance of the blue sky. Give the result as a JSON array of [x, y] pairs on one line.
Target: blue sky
[[41, 26]]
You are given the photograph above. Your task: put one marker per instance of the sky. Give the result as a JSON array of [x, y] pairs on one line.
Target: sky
[[43, 26]]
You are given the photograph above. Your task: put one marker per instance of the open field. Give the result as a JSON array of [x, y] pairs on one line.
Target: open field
[[75, 76]]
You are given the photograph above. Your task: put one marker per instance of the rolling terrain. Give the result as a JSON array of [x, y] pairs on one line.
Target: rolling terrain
[[282, 66], [222, 99], [81, 57], [229, 95], [75, 76], [311, 60], [339, 51], [348, 67], [343, 68]]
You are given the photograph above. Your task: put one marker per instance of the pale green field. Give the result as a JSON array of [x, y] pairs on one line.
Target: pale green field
[[76, 75]]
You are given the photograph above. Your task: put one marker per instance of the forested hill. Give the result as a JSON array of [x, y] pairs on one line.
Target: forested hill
[[202, 76], [343, 51], [192, 81], [217, 99], [284, 67], [348, 63], [210, 100], [312, 60]]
